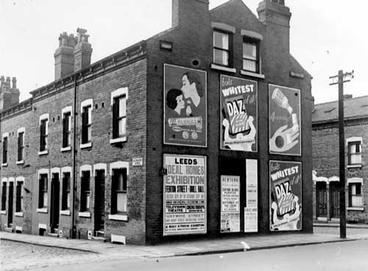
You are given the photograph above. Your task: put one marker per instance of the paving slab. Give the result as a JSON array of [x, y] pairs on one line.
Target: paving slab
[[181, 248]]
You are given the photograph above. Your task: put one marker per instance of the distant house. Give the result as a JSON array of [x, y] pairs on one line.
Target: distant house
[[325, 139]]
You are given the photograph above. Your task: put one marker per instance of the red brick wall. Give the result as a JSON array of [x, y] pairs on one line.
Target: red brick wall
[[12, 170], [193, 42], [99, 89]]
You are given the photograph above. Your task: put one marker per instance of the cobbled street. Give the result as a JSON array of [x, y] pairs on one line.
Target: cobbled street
[[21, 256]]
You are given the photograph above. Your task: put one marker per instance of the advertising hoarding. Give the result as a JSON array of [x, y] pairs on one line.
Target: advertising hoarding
[[284, 120], [185, 106], [184, 194], [286, 196], [238, 118]]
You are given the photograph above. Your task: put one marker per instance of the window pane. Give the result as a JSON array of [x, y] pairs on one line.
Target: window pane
[[250, 51], [221, 57], [357, 201], [221, 40], [122, 107], [68, 200], [88, 196], [352, 148], [121, 202], [122, 127], [353, 189], [355, 159], [249, 65], [45, 199]]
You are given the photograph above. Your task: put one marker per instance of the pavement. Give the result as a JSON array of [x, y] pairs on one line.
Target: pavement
[[226, 244]]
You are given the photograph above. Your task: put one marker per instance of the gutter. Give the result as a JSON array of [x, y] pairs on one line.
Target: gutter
[[74, 153]]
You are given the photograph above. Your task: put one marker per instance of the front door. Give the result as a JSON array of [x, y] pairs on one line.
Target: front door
[[321, 194], [10, 204], [55, 207], [99, 201], [335, 199]]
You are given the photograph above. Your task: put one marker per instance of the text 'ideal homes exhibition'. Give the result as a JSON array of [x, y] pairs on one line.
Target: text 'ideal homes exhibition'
[[202, 130]]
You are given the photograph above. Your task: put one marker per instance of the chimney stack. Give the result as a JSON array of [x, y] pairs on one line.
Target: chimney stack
[[64, 57], [189, 12], [82, 51], [276, 17], [9, 94]]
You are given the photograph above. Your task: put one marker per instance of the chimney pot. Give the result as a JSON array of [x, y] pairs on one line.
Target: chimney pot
[[82, 51], [64, 58], [14, 81]]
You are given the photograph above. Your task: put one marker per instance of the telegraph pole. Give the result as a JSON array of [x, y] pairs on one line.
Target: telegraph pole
[[339, 80]]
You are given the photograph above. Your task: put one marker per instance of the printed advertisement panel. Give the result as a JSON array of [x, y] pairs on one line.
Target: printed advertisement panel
[[238, 103], [230, 203], [251, 209], [185, 194], [286, 196], [284, 120], [185, 106]]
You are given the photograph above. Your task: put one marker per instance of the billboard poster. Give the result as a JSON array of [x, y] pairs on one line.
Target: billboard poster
[[286, 196], [184, 194], [230, 203], [284, 120], [238, 103], [251, 207], [185, 106]]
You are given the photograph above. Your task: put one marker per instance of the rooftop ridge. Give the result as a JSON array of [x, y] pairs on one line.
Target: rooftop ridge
[[335, 101]]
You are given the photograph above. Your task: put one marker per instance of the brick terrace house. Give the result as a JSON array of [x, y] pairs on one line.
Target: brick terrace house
[[326, 159], [202, 130]]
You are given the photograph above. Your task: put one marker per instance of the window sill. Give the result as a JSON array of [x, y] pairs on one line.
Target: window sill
[[354, 166], [18, 214], [65, 212], [65, 149], [222, 68], [355, 208], [252, 74], [3, 212], [86, 145], [119, 217], [42, 210], [43, 152], [118, 140], [4, 165], [20, 162], [84, 214]]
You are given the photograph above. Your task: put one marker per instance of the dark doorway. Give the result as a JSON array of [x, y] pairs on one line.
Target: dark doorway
[[234, 167], [321, 194], [100, 202], [10, 204], [335, 199], [54, 203]]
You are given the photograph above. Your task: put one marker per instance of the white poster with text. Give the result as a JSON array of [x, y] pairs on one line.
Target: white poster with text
[[230, 203], [185, 194], [251, 208]]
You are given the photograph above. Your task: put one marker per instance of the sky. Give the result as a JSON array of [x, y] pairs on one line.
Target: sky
[[325, 36]]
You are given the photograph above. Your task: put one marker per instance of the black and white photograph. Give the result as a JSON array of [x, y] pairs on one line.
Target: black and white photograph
[[183, 135]]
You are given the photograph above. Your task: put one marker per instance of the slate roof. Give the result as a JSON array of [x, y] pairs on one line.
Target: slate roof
[[353, 108]]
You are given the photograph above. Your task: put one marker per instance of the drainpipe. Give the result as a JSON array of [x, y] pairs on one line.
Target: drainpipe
[[74, 153]]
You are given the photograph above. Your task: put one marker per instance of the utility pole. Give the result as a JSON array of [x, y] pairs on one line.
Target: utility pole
[[339, 80]]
